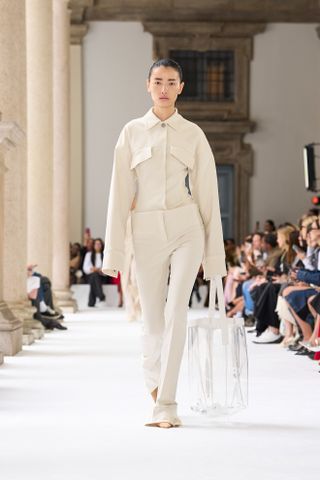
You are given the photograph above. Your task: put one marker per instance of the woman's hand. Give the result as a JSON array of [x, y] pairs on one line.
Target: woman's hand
[[301, 255]]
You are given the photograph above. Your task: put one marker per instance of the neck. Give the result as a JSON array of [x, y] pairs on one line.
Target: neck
[[163, 112]]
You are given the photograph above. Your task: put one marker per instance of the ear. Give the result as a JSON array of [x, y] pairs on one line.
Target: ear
[[181, 87], [148, 84]]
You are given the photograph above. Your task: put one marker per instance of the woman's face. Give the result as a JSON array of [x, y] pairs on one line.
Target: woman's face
[[256, 242], [97, 246], [314, 235], [281, 240], [164, 86]]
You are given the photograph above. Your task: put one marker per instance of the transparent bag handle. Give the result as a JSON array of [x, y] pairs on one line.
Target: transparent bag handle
[[223, 320]]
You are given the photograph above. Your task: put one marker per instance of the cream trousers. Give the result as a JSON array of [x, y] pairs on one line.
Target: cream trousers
[[166, 241]]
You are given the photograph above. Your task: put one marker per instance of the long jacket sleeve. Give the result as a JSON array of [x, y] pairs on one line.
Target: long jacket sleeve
[[121, 195], [309, 276], [204, 189]]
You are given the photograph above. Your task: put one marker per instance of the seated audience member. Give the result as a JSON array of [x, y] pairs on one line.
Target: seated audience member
[[284, 282], [265, 295], [255, 254], [288, 325], [271, 255], [272, 251], [305, 282], [40, 293], [87, 247], [75, 263], [92, 268], [250, 259]]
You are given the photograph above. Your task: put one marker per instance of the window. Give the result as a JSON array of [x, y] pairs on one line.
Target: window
[[209, 75]]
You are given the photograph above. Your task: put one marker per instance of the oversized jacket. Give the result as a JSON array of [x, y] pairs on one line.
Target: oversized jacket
[[151, 160]]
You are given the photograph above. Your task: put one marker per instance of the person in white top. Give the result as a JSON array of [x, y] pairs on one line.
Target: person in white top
[[92, 268], [164, 166]]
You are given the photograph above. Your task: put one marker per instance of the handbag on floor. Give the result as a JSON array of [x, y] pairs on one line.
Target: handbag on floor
[[217, 359]]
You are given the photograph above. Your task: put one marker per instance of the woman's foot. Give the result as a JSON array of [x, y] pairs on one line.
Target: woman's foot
[[162, 424], [165, 425], [287, 341]]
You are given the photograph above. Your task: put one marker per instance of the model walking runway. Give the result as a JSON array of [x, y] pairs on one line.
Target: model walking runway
[[164, 171]]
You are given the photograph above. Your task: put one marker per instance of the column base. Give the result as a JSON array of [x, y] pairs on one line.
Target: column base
[[65, 301], [32, 329], [34, 326], [28, 338], [10, 330]]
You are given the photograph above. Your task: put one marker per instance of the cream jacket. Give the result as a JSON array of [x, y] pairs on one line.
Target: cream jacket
[[151, 161]]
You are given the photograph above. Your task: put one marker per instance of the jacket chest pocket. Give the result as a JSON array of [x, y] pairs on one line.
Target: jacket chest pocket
[[139, 156], [183, 155]]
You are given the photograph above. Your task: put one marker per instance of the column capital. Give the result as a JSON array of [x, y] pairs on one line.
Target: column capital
[[78, 32], [10, 136]]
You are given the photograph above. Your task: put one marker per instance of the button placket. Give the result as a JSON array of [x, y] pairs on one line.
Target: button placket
[[165, 153]]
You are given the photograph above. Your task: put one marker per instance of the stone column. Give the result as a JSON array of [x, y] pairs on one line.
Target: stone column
[[61, 156], [76, 158], [13, 161], [40, 133]]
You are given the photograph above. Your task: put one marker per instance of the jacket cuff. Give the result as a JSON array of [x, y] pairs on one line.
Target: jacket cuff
[[113, 261], [214, 265]]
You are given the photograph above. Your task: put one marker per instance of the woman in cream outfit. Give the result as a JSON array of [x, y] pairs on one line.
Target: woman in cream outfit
[[174, 228]]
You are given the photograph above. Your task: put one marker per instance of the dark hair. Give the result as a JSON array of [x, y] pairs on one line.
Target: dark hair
[[93, 253], [313, 211], [271, 239], [166, 62], [271, 223]]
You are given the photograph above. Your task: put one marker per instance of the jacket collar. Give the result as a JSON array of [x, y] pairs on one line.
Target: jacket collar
[[151, 119]]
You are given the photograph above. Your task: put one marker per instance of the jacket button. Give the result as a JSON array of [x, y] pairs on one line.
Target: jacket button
[[163, 125]]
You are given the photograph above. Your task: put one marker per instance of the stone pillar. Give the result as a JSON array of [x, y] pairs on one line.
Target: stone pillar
[[40, 133], [61, 156], [13, 164], [76, 158]]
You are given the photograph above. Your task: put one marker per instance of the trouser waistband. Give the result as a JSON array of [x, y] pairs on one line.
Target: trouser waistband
[[165, 223]]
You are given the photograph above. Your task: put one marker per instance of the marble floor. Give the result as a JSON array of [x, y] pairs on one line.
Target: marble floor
[[73, 407]]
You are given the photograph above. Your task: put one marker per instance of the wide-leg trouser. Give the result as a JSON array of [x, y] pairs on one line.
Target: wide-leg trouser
[[164, 239]]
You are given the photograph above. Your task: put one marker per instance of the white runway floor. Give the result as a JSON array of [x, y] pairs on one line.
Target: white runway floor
[[73, 407]]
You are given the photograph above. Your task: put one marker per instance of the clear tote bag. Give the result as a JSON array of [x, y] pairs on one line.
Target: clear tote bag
[[217, 359]]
